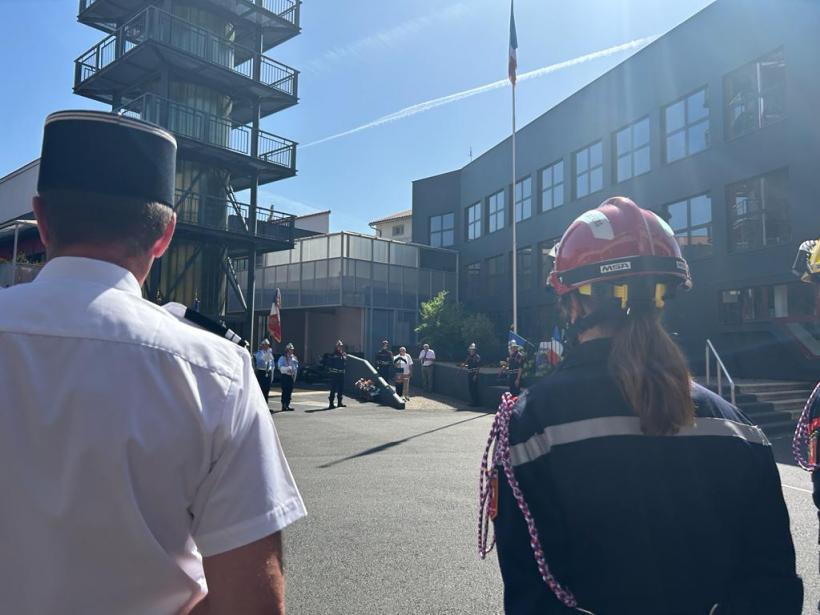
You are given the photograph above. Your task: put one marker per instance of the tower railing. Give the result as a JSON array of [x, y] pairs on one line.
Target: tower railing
[[153, 24], [219, 213], [284, 9], [190, 123]]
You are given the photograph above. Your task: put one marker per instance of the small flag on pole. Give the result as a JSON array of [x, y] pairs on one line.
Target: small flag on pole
[[512, 68], [275, 318], [519, 341]]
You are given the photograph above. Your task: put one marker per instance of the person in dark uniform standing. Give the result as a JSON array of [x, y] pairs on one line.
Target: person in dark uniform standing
[[384, 361], [288, 366], [337, 364], [473, 366], [681, 511], [515, 365]]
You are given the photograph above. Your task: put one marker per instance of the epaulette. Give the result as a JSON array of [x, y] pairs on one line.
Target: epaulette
[[194, 318]]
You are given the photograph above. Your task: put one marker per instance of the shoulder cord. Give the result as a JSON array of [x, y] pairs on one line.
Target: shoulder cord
[[801, 433], [500, 436]]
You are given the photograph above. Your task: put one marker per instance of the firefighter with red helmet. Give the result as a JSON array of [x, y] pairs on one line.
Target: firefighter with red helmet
[[616, 485]]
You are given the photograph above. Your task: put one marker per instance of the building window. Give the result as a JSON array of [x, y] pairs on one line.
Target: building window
[[546, 260], [524, 268], [762, 303], [523, 199], [686, 125], [552, 186], [442, 230], [589, 170], [472, 277], [759, 211], [691, 219], [756, 95], [497, 277], [632, 150], [496, 212], [474, 221], [398, 229]]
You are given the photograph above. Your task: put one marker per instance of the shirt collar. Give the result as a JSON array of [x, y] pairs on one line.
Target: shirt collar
[[92, 271]]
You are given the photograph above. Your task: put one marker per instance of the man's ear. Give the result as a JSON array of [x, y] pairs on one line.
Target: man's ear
[[42, 222], [161, 244], [576, 308]]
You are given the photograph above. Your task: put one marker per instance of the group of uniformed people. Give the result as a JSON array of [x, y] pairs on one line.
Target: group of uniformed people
[[617, 486]]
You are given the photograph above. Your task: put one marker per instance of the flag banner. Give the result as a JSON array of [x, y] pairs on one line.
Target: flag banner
[[512, 67], [518, 340], [275, 318], [555, 348]]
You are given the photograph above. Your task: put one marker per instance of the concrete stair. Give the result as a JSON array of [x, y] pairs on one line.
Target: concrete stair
[[773, 405]]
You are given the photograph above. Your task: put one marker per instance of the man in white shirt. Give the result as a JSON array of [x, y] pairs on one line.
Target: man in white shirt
[[403, 364], [427, 358], [263, 362], [146, 473]]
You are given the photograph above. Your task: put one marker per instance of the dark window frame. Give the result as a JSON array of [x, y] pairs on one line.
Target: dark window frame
[[687, 125], [617, 155], [587, 149], [553, 185]]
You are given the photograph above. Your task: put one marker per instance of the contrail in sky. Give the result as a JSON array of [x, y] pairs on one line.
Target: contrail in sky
[[446, 100]]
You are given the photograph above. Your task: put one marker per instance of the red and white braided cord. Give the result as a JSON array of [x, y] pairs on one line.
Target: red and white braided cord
[[500, 436], [801, 433]]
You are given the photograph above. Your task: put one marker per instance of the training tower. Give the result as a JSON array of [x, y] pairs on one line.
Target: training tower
[[199, 68]]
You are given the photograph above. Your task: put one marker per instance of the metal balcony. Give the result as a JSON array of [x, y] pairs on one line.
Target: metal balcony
[[153, 39], [240, 149], [278, 19], [229, 222]]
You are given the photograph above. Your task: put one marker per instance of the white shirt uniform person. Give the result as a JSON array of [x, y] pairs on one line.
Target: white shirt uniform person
[[131, 445]]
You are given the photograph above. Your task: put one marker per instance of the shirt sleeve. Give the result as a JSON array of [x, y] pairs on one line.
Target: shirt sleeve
[[249, 492]]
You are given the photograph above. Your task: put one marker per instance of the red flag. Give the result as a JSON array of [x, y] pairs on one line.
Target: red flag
[[275, 318]]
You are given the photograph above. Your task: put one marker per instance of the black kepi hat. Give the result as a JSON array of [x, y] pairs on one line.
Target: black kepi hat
[[109, 154]]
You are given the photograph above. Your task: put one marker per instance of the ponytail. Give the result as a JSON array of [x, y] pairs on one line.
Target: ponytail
[[651, 373]]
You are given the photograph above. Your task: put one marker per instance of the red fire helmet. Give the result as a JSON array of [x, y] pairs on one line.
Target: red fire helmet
[[615, 242]]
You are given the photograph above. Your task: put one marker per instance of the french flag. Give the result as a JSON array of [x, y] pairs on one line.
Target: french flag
[[513, 62], [275, 318]]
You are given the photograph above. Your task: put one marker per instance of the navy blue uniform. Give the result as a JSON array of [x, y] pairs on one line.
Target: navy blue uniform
[[473, 365], [642, 525], [384, 363], [336, 366], [515, 363]]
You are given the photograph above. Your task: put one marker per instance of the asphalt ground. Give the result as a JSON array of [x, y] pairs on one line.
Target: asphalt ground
[[392, 510]]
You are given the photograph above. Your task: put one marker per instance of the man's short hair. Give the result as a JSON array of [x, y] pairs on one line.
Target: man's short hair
[[90, 218]]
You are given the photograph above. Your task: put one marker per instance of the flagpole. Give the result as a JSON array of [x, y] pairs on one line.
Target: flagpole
[[514, 225]]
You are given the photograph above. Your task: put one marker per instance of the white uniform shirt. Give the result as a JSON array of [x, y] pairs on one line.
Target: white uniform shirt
[[403, 363], [264, 360], [427, 357], [130, 443], [287, 366]]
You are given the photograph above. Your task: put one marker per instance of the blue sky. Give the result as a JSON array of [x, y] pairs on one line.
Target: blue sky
[[361, 61]]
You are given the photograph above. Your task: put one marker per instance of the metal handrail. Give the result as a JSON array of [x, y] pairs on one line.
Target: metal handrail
[[721, 369], [213, 130], [154, 24], [226, 214], [285, 9]]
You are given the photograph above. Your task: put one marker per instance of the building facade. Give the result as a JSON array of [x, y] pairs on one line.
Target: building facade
[[199, 68], [352, 287], [398, 226], [714, 127]]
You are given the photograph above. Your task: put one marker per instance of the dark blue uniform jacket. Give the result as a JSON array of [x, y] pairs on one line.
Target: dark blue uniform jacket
[[640, 525]]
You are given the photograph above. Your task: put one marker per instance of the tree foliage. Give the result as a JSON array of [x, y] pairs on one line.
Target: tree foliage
[[449, 328]]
